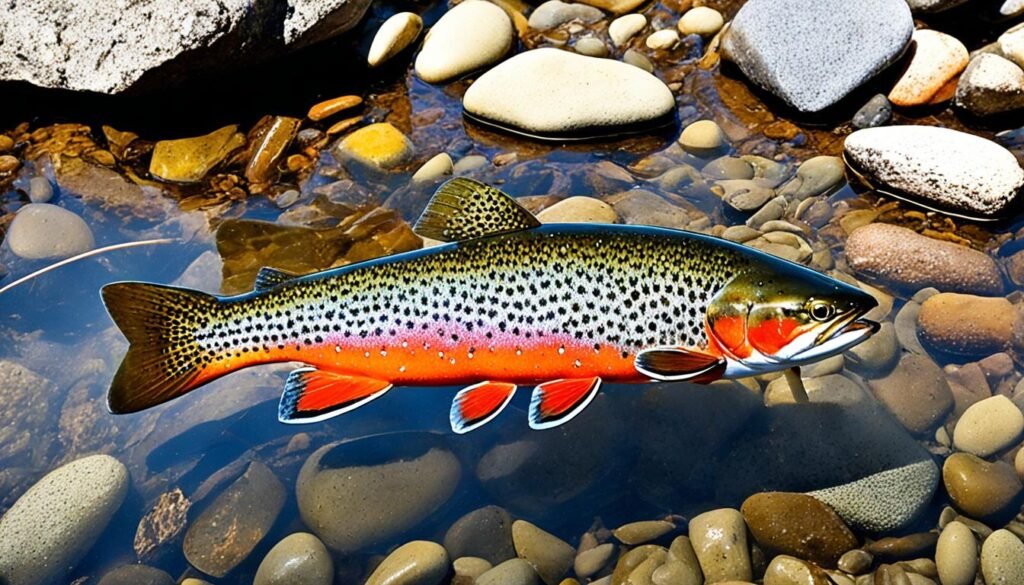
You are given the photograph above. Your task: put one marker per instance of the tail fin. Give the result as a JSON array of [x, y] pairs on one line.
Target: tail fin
[[164, 359]]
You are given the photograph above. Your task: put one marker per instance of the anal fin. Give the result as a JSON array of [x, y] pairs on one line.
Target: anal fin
[[312, 395], [559, 401], [679, 364], [478, 404]]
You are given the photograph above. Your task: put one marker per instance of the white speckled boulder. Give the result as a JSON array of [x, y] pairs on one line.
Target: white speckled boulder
[[50, 528], [555, 93], [938, 167], [812, 54], [111, 47]]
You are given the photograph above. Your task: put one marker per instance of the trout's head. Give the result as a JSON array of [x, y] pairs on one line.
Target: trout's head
[[771, 319]]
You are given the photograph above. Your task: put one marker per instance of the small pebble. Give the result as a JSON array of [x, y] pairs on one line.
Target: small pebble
[[579, 209], [956, 555], [328, 108], [435, 168], [637, 59], [989, 426], [640, 532], [590, 561], [419, 562], [856, 561], [662, 40], [877, 112], [469, 568], [702, 137], [719, 539], [701, 20], [298, 558], [1002, 559], [625, 27], [977, 487], [40, 190], [511, 572], [592, 47], [393, 37], [549, 555]]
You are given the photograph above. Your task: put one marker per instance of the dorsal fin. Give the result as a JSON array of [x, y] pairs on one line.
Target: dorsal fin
[[268, 278], [463, 209]]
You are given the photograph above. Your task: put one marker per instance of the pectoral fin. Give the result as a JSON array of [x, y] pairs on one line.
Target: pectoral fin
[[312, 395], [477, 405], [679, 364], [559, 401]]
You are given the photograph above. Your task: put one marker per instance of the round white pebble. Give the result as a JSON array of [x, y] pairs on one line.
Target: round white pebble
[[701, 21], [624, 27], [663, 39]]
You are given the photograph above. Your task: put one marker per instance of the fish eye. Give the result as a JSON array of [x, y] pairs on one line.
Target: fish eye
[[821, 311]]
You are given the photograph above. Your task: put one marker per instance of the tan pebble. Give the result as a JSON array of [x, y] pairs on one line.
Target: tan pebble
[[719, 538], [701, 20], [662, 40], [8, 164], [1002, 559], [343, 125], [645, 531], [6, 143], [989, 426], [549, 555], [681, 551], [938, 58], [917, 579], [702, 137], [676, 573], [328, 108], [471, 567], [956, 555], [643, 574], [633, 558], [1018, 463], [990, 331], [977, 487], [902, 547], [592, 560], [297, 162], [921, 566], [397, 33], [579, 209], [787, 570], [891, 575], [856, 561], [798, 525], [916, 392]]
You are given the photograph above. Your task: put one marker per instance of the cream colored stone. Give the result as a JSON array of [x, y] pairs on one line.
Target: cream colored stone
[[624, 27], [956, 555], [393, 37], [701, 20], [988, 426], [468, 37]]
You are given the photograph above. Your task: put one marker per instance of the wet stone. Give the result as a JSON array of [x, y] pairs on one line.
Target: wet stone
[[938, 59], [377, 145], [719, 538], [162, 525], [625, 27], [230, 528], [44, 231], [701, 20], [55, 523], [956, 555], [638, 60], [787, 570], [815, 176], [189, 160], [467, 569], [662, 40], [977, 487], [907, 261], [511, 572], [419, 562], [941, 326], [916, 393], [645, 531], [550, 556], [485, 533], [328, 108], [269, 141], [40, 190], [989, 426], [728, 167], [896, 548], [876, 112], [592, 47], [351, 506], [437, 167], [855, 562], [797, 525], [643, 207], [686, 567], [553, 13], [393, 37], [1002, 558], [591, 561], [990, 85], [136, 575], [297, 558], [702, 137]]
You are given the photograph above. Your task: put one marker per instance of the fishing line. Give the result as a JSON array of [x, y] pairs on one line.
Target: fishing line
[[83, 256]]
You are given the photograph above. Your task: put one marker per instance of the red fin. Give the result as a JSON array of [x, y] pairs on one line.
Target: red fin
[[312, 395], [679, 363], [478, 404], [558, 401]]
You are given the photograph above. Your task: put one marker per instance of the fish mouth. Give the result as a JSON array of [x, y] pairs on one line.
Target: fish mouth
[[838, 337]]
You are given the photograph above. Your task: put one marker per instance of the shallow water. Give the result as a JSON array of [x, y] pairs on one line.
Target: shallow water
[[638, 452]]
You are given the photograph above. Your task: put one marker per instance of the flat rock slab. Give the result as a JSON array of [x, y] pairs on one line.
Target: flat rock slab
[[550, 93], [800, 51], [939, 168]]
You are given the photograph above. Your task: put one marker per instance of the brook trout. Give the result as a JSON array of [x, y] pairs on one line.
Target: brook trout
[[505, 302]]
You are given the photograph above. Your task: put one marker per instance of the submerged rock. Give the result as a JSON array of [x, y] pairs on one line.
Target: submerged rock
[[989, 426], [956, 555], [469, 36], [298, 558], [980, 488], [188, 160], [938, 167], [798, 525], [719, 538], [230, 528], [553, 93], [44, 231], [549, 555], [938, 59], [419, 562], [907, 261], [111, 48], [877, 112], [485, 533], [50, 528], [136, 575], [1002, 558], [941, 324], [701, 20], [555, 12], [353, 505], [378, 145], [801, 52]]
